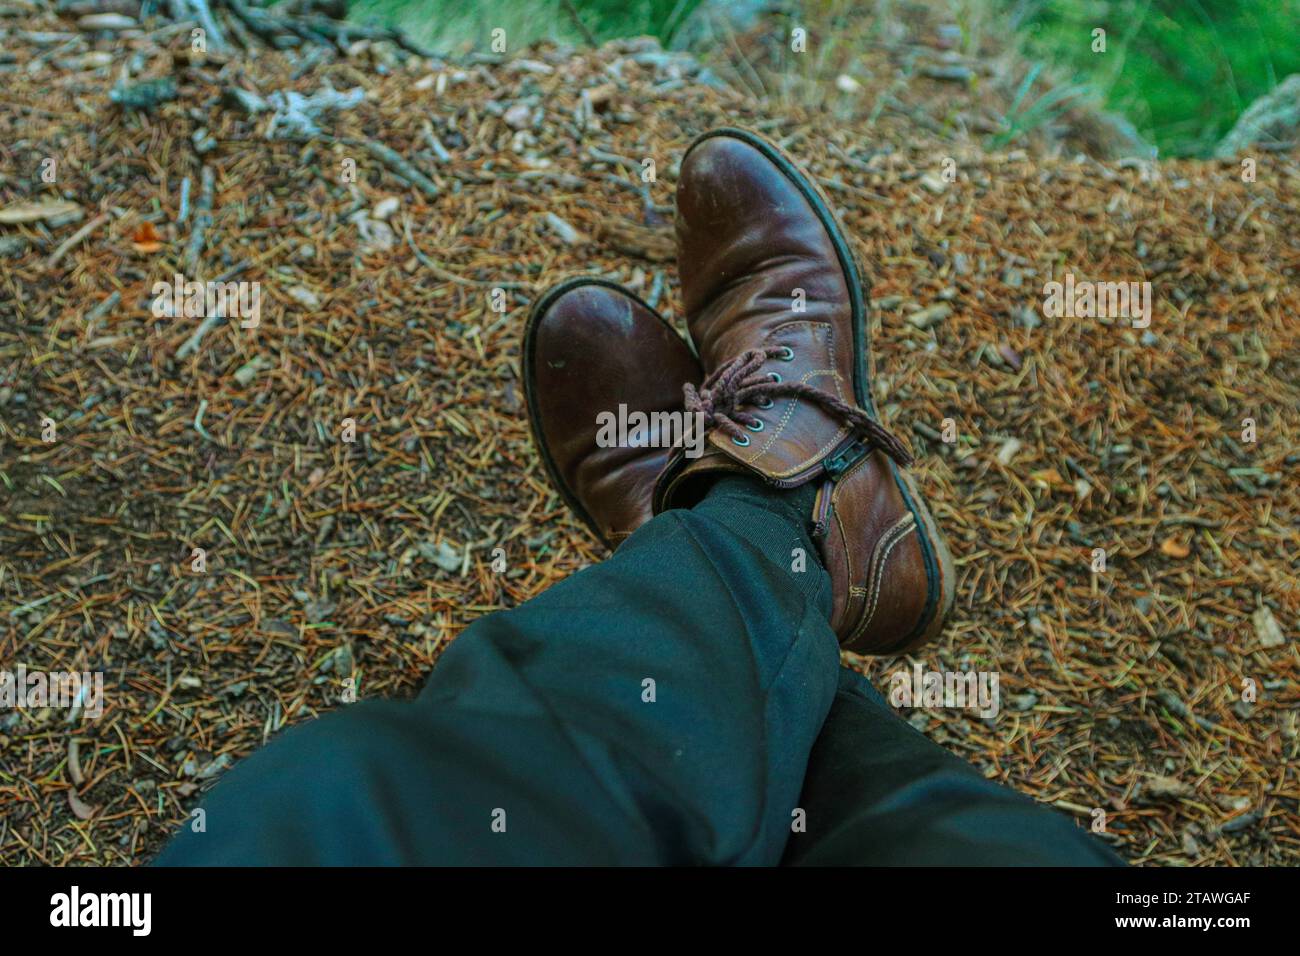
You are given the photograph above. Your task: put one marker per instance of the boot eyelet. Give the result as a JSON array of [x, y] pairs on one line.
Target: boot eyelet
[[787, 355], [765, 403], [756, 425], [736, 440], [775, 376]]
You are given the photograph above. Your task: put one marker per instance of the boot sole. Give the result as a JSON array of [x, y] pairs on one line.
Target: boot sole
[[939, 568]]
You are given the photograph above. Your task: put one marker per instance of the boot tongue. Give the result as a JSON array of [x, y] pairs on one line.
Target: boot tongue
[[798, 431]]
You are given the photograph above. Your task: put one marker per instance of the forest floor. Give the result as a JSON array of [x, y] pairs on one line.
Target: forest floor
[[1161, 694]]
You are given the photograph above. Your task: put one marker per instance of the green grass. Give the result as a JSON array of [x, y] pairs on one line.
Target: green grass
[[463, 25], [1181, 70]]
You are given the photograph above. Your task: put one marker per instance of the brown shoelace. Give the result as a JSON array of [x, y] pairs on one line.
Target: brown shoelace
[[722, 396]]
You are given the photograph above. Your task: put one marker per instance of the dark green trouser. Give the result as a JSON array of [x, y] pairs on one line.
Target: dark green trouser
[[676, 704]]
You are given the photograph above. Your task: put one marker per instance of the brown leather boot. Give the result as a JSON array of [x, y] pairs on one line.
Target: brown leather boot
[[589, 347], [777, 309]]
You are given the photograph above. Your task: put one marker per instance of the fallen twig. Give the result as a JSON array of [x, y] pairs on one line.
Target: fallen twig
[[398, 166], [73, 239], [202, 220]]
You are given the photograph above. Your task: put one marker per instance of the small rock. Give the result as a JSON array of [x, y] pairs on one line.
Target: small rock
[[931, 316], [1160, 786], [376, 236], [342, 661], [317, 610], [386, 208], [1009, 449], [304, 296], [442, 554], [1026, 317], [203, 141], [519, 116], [1266, 628], [214, 767], [245, 100]]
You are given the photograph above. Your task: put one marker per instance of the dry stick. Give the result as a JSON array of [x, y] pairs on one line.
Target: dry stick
[[338, 30], [320, 30], [448, 276], [100, 310], [202, 220], [398, 166], [435, 144], [603, 156], [241, 31], [192, 343], [73, 239], [257, 21]]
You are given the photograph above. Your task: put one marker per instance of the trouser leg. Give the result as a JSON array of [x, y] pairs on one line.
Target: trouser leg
[[656, 708], [879, 792]]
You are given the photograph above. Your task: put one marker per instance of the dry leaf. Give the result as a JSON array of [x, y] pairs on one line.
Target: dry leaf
[[145, 239], [35, 211], [1172, 548]]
